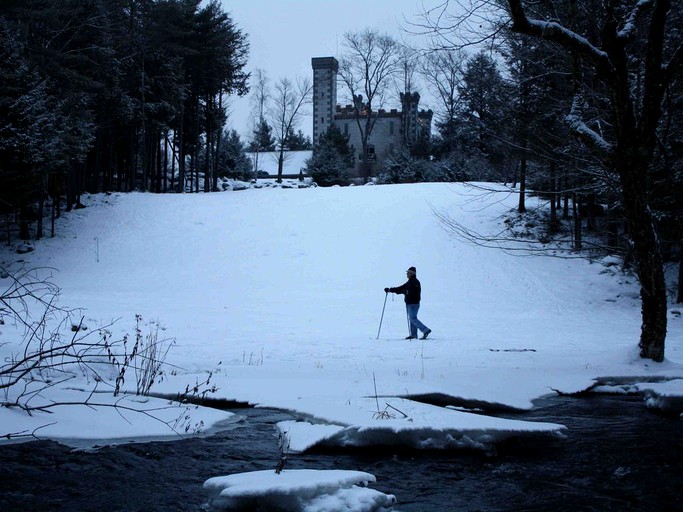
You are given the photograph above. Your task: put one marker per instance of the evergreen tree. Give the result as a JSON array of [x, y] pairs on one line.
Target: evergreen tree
[[46, 125], [262, 138], [539, 96], [484, 114], [332, 159], [233, 161], [298, 141], [114, 95], [403, 167]]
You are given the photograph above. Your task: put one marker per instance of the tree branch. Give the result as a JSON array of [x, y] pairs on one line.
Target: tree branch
[[555, 32]]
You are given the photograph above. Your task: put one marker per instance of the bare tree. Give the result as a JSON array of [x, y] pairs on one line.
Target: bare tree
[[633, 52], [367, 70], [443, 70], [408, 64], [288, 107], [259, 99]]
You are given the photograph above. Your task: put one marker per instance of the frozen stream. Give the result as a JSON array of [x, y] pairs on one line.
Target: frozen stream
[[616, 456]]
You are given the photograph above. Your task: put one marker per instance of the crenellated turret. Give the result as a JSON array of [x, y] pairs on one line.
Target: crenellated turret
[[391, 128]]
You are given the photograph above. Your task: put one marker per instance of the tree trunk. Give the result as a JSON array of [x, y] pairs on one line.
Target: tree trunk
[[53, 215], [280, 164], [522, 180], [71, 186], [553, 202], [165, 166], [256, 158], [132, 159], [181, 150], [217, 146], [679, 298], [648, 258], [578, 243], [24, 232], [41, 208], [208, 168], [159, 160], [174, 145]]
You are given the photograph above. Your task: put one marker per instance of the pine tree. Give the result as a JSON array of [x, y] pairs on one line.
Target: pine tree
[[262, 138], [484, 115], [233, 161], [332, 159], [298, 141]]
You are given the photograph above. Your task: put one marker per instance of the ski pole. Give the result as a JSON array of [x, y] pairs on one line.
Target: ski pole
[[386, 294]]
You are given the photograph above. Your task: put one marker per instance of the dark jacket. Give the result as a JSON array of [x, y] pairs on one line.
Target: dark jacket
[[411, 289]]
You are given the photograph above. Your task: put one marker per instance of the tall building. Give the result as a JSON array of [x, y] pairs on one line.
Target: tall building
[[392, 128], [324, 93]]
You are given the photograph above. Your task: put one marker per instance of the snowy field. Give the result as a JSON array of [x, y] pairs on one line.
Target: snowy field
[[275, 296]]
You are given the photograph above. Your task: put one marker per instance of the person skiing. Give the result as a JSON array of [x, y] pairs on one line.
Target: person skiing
[[412, 291]]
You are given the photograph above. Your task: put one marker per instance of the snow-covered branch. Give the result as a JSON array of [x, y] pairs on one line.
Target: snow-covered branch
[[589, 136], [556, 32], [629, 26]]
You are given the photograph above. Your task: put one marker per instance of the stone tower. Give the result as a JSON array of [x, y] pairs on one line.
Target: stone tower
[[324, 94], [409, 102]]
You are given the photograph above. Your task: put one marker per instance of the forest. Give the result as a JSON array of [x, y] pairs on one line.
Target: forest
[[112, 96]]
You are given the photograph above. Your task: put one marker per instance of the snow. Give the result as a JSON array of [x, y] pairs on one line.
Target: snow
[[405, 423], [294, 161], [274, 297], [304, 489], [666, 396], [580, 41], [140, 417]]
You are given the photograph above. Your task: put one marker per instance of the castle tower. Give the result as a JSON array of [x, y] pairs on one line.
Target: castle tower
[[409, 102], [324, 93]]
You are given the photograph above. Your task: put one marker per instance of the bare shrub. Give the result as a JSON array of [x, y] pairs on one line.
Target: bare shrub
[[55, 346]]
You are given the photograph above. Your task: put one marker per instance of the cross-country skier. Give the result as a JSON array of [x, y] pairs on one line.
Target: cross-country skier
[[412, 291]]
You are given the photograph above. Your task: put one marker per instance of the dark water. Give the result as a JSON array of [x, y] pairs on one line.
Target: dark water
[[617, 456]]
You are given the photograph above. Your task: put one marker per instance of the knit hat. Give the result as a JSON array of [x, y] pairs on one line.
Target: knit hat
[[412, 269]]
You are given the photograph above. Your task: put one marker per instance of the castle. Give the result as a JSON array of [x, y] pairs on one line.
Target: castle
[[392, 129]]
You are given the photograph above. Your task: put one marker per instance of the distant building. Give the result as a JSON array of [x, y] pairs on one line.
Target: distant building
[[392, 129], [294, 164]]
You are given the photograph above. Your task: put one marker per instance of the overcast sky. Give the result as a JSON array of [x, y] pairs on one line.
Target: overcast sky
[[285, 34]]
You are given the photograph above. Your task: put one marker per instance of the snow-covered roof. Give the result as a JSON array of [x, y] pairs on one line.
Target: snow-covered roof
[[294, 161]]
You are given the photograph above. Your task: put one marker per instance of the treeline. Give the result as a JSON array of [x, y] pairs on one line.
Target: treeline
[[596, 97], [114, 95], [517, 117], [526, 112]]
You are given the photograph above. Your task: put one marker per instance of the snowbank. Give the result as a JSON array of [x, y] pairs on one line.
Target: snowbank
[[407, 423], [298, 490]]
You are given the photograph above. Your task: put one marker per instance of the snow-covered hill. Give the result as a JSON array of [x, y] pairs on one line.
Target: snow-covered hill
[[280, 294]]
